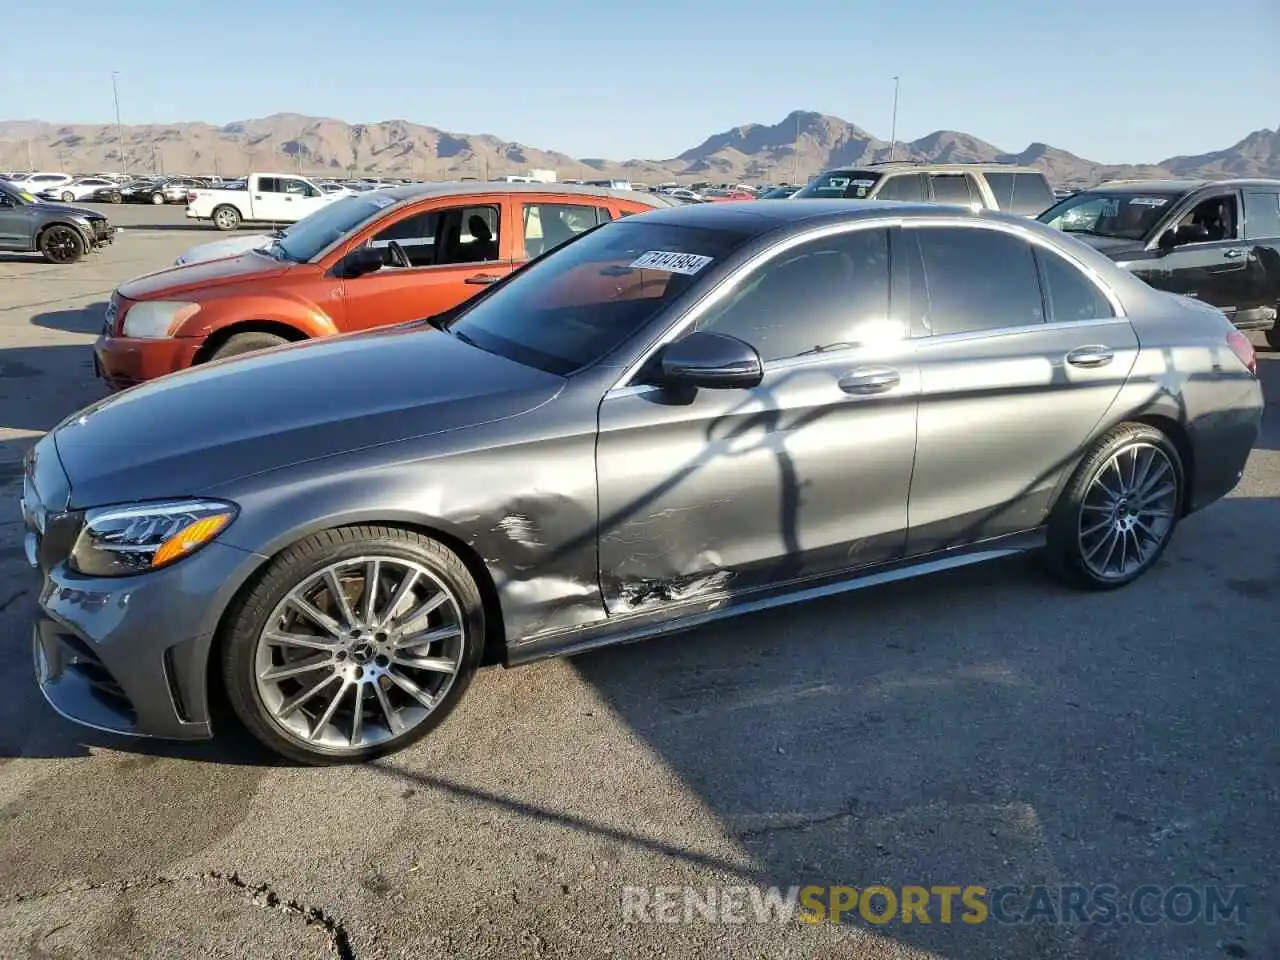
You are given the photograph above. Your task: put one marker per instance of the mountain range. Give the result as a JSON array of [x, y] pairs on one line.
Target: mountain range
[[801, 144]]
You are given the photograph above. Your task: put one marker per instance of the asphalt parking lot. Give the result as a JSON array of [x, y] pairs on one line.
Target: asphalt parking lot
[[981, 727]]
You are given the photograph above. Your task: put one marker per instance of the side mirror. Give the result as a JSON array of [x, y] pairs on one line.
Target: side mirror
[[361, 261], [713, 361], [1188, 233], [5, 201]]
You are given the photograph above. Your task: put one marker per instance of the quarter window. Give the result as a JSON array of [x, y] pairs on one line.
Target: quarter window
[[1070, 294], [825, 294], [975, 279]]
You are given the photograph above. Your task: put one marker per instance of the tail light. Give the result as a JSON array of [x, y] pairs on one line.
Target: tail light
[[1242, 347]]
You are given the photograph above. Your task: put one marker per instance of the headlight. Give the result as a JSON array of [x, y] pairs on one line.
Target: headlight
[[156, 319], [119, 541]]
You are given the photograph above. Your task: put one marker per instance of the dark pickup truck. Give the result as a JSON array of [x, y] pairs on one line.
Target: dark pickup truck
[[59, 232], [1216, 241]]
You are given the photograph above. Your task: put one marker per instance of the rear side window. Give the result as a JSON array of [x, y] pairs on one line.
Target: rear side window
[[1261, 215], [975, 279], [1070, 294], [1027, 194], [952, 188], [906, 187]]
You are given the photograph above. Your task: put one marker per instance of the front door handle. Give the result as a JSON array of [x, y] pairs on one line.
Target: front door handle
[[863, 380], [481, 279], [1235, 253], [1094, 355]]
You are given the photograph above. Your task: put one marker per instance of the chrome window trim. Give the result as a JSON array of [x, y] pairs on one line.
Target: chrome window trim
[[623, 386]]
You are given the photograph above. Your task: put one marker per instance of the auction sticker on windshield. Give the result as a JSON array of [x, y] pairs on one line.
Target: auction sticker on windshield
[[671, 262], [1147, 201]]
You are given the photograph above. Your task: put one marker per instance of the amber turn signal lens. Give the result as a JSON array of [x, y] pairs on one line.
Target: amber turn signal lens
[[188, 538]]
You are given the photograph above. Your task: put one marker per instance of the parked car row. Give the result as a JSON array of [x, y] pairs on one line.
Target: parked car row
[[569, 436]]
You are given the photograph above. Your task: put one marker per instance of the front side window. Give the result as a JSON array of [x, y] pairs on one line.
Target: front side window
[[975, 279], [416, 235], [1026, 194], [825, 294], [1120, 216], [591, 295], [299, 188], [1210, 221]]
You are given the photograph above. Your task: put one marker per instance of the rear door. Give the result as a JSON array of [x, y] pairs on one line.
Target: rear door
[[267, 201], [1262, 236], [1021, 354], [448, 263]]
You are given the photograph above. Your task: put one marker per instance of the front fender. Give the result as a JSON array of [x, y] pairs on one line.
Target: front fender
[[217, 313], [86, 234]]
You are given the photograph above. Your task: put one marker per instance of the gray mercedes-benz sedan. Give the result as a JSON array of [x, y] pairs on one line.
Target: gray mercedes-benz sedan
[[678, 416]]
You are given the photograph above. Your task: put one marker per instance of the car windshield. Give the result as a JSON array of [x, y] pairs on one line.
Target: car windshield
[[313, 233], [842, 184], [584, 300], [1122, 216], [15, 191]]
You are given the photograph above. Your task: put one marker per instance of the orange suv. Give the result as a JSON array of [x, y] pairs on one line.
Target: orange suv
[[369, 260]]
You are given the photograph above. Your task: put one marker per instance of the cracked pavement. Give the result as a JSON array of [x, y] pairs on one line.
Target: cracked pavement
[[982, 726]]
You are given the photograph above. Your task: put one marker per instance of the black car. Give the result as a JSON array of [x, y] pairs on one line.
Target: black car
[[61, 232], [1216, 241]]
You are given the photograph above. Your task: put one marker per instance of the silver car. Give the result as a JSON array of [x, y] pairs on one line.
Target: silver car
[[675, 417]]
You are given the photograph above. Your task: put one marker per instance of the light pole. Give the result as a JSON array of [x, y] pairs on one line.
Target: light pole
[[795, 153], [893, 129], [115, 96]]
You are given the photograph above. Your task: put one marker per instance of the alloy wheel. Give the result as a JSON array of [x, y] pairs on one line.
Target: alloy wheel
[[1128, 511], [359, 652], [61, 245]]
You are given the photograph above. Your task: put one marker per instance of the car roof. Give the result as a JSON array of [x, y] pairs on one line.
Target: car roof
[[417, 191], [923, 166], [1156, 185], [754, 217]]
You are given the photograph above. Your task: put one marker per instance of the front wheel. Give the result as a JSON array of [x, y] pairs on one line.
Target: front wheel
[[157, 198], [354, 643], [68, 196], [241, 343], [61, 244], [1118, 513]]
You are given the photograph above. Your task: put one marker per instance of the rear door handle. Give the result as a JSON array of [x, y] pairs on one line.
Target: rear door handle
[[1235, 253], [480, 279], [1094, 355], [863, 380]]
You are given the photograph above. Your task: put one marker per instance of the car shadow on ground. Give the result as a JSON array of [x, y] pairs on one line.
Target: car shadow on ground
[[87, 319]]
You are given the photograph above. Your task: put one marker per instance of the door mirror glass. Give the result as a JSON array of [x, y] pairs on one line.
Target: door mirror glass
[[713, 361], [363, 260]]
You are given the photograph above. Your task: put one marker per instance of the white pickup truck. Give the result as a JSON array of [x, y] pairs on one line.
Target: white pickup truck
[[266, 198]]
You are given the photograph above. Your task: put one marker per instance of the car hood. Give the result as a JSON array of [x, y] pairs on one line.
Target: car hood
[[225, 248], [191, 276], [183, 434], [1114, 247], [69, 210]]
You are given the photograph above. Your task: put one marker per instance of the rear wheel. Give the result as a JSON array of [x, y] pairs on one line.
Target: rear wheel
[[61, 244], [117, 197], [68, 196], [354, 643], [241, 343], [1273, 337], [1119, 511], [226, 218], [157, 198]]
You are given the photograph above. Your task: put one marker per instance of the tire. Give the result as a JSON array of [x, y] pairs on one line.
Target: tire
[[316, 731], [1273, 337], [157, 199], [117, 198], [1089, 524], [226, 217], [68, 196], [239, 344], [62, 244]]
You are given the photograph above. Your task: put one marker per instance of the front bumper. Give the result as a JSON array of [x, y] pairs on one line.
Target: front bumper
[[131, 655], [122, 362]]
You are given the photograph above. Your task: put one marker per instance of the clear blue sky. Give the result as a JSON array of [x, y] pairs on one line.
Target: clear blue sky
[[1121, 80]]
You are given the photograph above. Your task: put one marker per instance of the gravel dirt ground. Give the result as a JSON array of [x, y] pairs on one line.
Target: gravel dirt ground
[[980, 727]]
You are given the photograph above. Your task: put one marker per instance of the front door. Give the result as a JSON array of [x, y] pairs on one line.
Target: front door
[[442, 256], [15, 226], [1021, 355], [806, 474], [1214, 267]]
